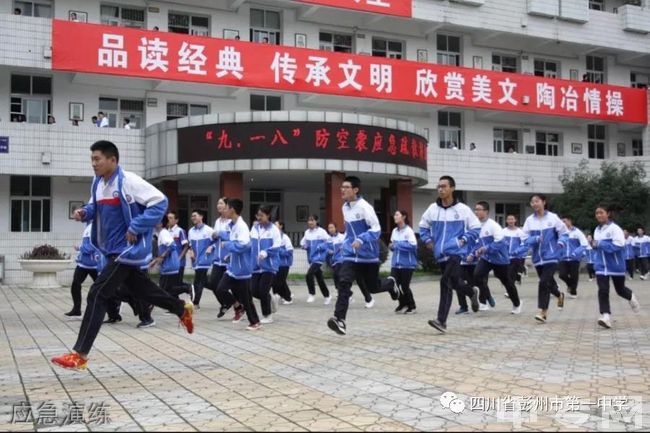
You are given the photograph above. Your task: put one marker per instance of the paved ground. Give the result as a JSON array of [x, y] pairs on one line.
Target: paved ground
[[388, 374]]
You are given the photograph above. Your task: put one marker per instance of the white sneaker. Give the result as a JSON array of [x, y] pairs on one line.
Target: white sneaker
[[573, 296], [327, 300], [591, 279], [275, 300], [517, 310], [634, 303], [371, 303], [267, 319], [643, 277], [310, 299], [483, 307], [605, 321], [351, 300], [285, 302], [506, 295]]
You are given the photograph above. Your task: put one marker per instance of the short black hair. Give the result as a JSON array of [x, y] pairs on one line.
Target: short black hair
[[107, 148], [313, 217], [126, 120], [405, 214], [236, 204], [199, 212], [607, 208], [485, 205], [265, 209], [452, 182], [567, 217], [281, 224], [540, 196], [355, 182], [101, 112], [173, 212]]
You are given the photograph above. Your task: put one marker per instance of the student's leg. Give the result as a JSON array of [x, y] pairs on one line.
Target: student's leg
[[318, 273], [621, 289], [546, 284], [200, 281], [347, 275], [564, 273], [309, 278], [224, 295], [405, 276], [264, 292], [501, 272], [603, 294], [481, 272], [140, 287], [243, 294], [630, 265], [574, 270], [75, 289], [446, 292]]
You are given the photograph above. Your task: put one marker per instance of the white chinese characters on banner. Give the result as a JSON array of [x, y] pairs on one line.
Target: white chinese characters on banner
[[230, 63], [508, 88], [425, 85], [152, 53], [112, 53], [481, 89], [545, 95], [381, 76], [614, 103], [191, 59], [350, 70], [317, 71], [455, 82], [379, 3], [284, 66], [592, 101], [569, 99]]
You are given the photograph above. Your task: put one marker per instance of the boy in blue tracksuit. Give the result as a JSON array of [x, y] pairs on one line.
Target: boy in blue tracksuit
[[446, 227], [168, 260], [124, 209], [630, 254], [200, 239], [87, 264], [468, 266], [641, 244], [609, 262], [589, 259], [285, 255], [572, 245], [180, 239], [315, 243], [265, 247], [240, 269]]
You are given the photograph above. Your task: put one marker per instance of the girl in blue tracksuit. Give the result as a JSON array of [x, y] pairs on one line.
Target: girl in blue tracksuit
[[543, 229], [170, 262], [404, 260], [630, 254], [265, 246], [589, 259], [200, 237], [572, 246], [642, 251], [87, 265], [315, 243], [285, 255], [219, 232], [515, 237], [609, 262]]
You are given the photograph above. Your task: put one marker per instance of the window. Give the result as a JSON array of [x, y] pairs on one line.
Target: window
[[339, 43], [31, 98], [502, 210], [30, 203], [272, 198], [448, 50], [640, 81], [39, 8], [188, 24], [545, 68], [450, 130], [596, 141], [597, 5], [116, 110], [122, 16], [547, 143], [188, 203], [504, 63], [506, 140], [595, 69], [386, 48], [179, 109], [265, 24], [266, 103], [637, 147]]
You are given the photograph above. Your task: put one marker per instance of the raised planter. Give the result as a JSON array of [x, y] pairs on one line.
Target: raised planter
[[44, 272]]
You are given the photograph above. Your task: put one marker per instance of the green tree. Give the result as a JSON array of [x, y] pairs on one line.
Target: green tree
[[622, 186]]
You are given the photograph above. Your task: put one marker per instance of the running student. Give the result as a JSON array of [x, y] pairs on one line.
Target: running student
[[468, 266], [359, 253], [265, 246], [573, 245], [515, 237], [87, 265], [180, 238], [589, 259], [543, 229], [404, 260], [630, 254], [285, 254], [642, 252], [200, 237], [446, 227], [315, 243], [168, 260], [220, 231], [124, 209], [609, 246]]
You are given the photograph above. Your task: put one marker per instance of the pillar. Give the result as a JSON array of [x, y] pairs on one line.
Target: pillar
[[170, 189], [386, 219], [402, 197], [231, 185], [333, 200]]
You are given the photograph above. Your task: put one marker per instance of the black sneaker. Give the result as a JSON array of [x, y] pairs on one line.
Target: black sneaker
[[410, 310], [147, 323], [439, 326], [475, 299], [113, 320], [399, 308], [73, 313], [222, 312], [337, 325]]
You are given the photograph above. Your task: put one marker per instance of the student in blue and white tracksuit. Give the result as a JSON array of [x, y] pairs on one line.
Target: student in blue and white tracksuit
[[543, 229], [572, 245], [87, 259], [266, 241], [630, 254], [515, 237], [220, 231], [589, 259], [359, 253], [404, 260], [200, 239], [468, 266], [642, 252], [492, 255], [609, 261], [180, 238], [168, 260], [235, 284], [285, 254], [446, 227], [315, 243]]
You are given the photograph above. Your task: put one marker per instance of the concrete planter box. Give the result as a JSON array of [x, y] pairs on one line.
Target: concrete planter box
[[45, 272]]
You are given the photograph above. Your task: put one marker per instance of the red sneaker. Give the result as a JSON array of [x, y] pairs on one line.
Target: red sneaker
[[255, 327], [186, 318], [239, 314], [70, 361]]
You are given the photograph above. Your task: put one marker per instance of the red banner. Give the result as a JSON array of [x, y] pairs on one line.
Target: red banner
[[400, 8], [99, 49]]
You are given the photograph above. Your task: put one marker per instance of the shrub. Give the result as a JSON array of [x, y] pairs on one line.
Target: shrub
[[45, 252]]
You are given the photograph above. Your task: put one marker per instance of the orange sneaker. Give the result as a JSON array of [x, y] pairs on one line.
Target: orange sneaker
[[70, 361], [186, 318]]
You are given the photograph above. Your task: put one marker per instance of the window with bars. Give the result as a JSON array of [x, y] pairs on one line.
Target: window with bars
[[448, 50], [502, 210], [41, 8], [188, 24], [546, 68], [595, 69], [336, 42], [31, 98], [30, 203], [122, 16], [547, 143], [265, 24], [118, 109], [450, 130], [504, 63], [180, 109], [596, 141], [640, 81], [506, 140], [637, 147], [597, 5], [387, 48], [266, 103]]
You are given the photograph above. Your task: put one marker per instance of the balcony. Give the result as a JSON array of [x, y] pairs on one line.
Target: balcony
[[635, 18], [574, 10], [27, 41]]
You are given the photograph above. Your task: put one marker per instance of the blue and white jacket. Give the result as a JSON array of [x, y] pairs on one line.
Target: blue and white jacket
[[167, 244], [200, 239], [220, 232], [642, 246], [515, 239], [543, 234], [630, 253], [405, 247], [88, 256], [610, 250], [361, 224], [286, 252], [315, 243], [239, 247], [491, 237], [468, 248], [335, 248], [265, 247], [180, 238], [589, 255], [125, 203], [445, 227], [573, 244]]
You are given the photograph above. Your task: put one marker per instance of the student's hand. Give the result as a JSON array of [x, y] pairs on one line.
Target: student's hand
[[481, 251], [356, 245], [430, 246], [469, 259], [190, 254], [79, 214], [155, 262], [461, 242], [131, 238], [209, 249]]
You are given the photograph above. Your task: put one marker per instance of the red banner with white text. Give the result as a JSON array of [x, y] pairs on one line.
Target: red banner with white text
[[93, 48], [400, 8]]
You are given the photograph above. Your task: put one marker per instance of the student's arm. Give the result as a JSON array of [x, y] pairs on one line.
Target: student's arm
[[149, 196]]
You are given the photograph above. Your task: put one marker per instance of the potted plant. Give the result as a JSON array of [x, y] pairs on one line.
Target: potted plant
[[44, 261]]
